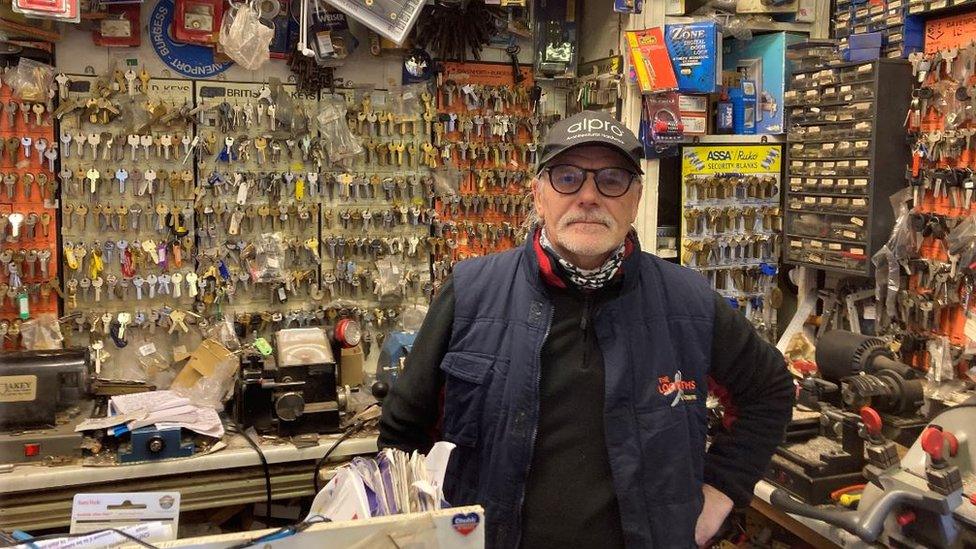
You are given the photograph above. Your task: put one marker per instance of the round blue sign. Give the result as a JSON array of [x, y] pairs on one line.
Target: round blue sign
[[187, 59]]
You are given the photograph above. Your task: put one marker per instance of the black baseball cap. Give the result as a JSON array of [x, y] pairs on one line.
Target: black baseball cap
[[592, 128]]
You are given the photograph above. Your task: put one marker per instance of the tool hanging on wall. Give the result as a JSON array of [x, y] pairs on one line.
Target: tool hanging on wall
[[451, 30]]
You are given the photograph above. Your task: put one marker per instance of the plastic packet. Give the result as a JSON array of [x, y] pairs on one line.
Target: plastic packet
[[404, 101], [447, 181], [340, 143], [940, 354], [213, 390], [245, 38], [41, 333], [31, 80], [268, 259], [224, 333]]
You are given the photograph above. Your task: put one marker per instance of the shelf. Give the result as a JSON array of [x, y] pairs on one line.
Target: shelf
[[832, 195], [823, 267], [825, 239], [836, 214], [829, 140], [829, 103], [851, 83], [758, 139], [953, 9], [761, 26], [821, 122], [829, 158]]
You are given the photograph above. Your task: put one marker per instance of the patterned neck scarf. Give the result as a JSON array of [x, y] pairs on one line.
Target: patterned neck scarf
[[585, 279]]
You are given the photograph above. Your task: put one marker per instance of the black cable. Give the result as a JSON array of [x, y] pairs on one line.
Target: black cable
[[264, 465], [318, 464]]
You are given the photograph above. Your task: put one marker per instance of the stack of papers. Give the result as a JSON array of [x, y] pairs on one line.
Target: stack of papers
[[160, 409], [392, 483]]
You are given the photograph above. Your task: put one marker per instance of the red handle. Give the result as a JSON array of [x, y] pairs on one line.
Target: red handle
[[934, 441], [872, 420]]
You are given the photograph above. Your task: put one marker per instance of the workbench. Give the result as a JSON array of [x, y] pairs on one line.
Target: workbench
[[818, 534], [34, 497]]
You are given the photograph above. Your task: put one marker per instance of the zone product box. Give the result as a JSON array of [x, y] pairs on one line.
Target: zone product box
[[696, 54], [762, 60]]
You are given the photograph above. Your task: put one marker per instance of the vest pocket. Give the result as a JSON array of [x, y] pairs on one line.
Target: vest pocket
[[465, 386], [669, 475]]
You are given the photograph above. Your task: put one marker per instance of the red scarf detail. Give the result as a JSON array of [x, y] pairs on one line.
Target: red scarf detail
[[549, 274]]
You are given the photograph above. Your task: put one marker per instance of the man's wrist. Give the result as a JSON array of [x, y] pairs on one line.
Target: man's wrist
[[718, 496]]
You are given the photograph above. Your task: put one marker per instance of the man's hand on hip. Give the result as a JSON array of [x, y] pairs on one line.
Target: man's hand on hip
[[717, 506]]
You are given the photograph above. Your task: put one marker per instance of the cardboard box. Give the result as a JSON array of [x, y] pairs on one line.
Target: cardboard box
[[202, 363], [351, 362], [696, 53], [763, 61]]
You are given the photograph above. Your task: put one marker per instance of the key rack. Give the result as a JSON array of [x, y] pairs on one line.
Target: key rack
[[29, 254], [731, 223]]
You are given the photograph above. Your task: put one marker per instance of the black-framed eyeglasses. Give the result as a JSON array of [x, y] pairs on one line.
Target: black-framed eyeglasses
[[611, 182]]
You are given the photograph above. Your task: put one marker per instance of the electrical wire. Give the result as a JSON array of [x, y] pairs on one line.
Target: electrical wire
[[264, 466], [355, 428], [284, 532], [836, 494]]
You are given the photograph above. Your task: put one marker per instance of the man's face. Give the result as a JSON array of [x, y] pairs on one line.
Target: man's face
[[587, 224]]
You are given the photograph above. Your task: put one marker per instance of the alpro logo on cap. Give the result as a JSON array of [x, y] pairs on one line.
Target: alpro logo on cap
[[595, 124]]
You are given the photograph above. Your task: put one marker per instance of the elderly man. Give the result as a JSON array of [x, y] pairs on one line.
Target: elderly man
[[572, 373]]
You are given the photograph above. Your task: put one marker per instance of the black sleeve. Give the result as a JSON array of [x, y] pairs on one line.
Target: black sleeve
[[412, 408], [750, 376]]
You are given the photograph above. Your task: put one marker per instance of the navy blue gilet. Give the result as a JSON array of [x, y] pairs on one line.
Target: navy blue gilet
[[656, 339]]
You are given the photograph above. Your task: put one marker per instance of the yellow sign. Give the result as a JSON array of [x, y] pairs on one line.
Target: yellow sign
[[731, 159]]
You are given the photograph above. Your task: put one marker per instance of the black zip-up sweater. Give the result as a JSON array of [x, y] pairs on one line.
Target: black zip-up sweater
[[569, 498]]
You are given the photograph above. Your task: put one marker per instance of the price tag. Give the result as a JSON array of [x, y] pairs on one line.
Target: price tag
[[862, 163], [816, 244], [809, 200], [147, 349], [826, 182], [850, 235], [857, 251], [796, 244], [857, 221], [826, 200], [834, 247], [860, 182], [859, 202]]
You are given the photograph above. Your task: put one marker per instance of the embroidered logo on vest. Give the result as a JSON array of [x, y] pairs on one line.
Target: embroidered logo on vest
[[677, 387]]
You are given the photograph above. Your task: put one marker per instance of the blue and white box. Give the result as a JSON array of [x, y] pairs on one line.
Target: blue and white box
[[696, 53]]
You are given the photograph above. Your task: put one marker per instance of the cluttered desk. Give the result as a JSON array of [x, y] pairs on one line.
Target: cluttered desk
[[237, 426]]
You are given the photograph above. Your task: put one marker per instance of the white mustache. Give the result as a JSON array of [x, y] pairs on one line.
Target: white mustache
[[588, 217]]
